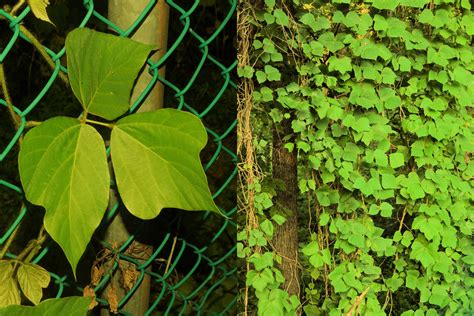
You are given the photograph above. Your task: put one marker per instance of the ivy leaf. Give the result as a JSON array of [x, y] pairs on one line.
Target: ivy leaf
[[396, 160], [385, 4], [9, 292], [32, 279], [156, 162], [38, 7], [316, 24], [281, 18], [63, 167], [342, 65], [71, 306], [463, 76], [324, 219], [272, 73], [102, 69]]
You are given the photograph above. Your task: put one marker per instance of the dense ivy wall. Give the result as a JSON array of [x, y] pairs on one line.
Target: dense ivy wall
[[379, 94]]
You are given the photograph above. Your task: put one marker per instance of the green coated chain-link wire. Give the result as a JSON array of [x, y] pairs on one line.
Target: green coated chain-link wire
[[169, 293]]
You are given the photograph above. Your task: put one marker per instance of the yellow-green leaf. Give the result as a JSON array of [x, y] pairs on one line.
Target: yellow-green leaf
[[70, 306], [32, 279], [9, 292], [38, 7], [156, 162], [63, 167]]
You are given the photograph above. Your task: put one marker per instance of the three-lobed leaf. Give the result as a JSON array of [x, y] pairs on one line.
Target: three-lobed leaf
[[102, 69], [71, 306], [155, 156], [63, 167], [32, 279]]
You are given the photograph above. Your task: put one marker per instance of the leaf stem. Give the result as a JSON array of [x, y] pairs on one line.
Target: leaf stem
[[109, 125], [17, 7], [43, 52], [34, 246], [31, 124], [8, 99], [8, 243]]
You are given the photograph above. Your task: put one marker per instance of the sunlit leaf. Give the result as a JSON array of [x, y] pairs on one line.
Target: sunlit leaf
[[156, 162], [32, 280], [38, 7], [71, 306], [9, 292], [63, 167], [102, 69]]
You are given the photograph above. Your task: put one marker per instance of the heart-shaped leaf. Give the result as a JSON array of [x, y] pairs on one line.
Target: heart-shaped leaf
[[63, 167], [32, 280], [71, 306], [102, 69], [9, 292], [156, 162]]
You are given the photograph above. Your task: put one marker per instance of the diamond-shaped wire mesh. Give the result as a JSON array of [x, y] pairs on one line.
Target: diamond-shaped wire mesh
[[202, 266]]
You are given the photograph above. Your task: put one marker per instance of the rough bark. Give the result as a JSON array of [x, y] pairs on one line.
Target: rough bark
[[285, 240]]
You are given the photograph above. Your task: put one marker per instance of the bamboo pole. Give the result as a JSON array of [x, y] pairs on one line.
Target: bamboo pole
[[153, 30]]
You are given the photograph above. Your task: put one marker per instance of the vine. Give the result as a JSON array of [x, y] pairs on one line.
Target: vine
[[381, 109], [63, 164]]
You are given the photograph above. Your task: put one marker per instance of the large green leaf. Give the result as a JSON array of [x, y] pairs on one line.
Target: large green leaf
[[70, 306], [63, 167], [102, 69], [156, 162], [32, 279], [9, 292]]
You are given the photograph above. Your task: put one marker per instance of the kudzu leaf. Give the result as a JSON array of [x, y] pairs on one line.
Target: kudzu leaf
[[9, 292], [102, 69], [38, 7], [32, 280], [63, 167], [70, 306], [156, 162]]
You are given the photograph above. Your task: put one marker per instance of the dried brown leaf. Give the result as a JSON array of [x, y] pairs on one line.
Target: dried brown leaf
[[130, 277], [89, 292], [96, 275], [113, 300]]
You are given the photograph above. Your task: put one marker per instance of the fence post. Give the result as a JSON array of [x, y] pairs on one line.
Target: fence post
[[153, 30]]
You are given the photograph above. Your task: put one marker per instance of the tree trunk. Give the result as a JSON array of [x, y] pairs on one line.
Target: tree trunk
[[285, 240]]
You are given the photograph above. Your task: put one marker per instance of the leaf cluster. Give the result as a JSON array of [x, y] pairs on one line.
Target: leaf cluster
[[382, 114]]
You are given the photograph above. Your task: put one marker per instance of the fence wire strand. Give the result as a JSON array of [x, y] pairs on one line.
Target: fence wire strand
[[169, 297]]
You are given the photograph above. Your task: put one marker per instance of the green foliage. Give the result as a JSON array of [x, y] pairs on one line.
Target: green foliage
[[166, 145], [379, 95], [73, 306], [63, 167], [101, 79], [9, 291], [15, 275], [63, 162], [32, 280]]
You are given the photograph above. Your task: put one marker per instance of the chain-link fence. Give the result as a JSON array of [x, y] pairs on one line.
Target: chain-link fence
[[192, 266]]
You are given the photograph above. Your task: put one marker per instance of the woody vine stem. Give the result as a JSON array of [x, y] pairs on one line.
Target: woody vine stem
[[34, 245]]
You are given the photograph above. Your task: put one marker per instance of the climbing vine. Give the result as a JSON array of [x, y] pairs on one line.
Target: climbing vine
[[63, 164], [379, 96]]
